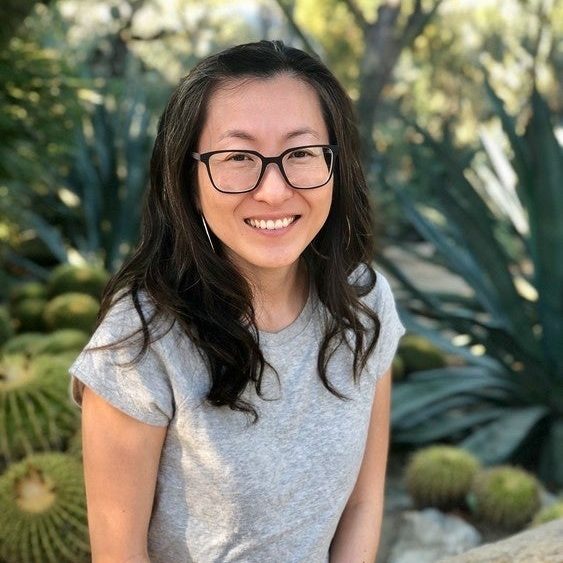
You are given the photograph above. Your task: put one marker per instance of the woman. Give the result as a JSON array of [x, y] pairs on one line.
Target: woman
[[229, 398]]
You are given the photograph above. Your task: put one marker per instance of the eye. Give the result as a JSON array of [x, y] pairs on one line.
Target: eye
[[300, 153], [238, 156]]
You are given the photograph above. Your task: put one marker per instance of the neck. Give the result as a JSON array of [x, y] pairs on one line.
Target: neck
[[279, 295]]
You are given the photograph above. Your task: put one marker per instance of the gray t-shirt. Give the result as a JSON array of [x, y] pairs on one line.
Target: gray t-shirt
[[228, 490]]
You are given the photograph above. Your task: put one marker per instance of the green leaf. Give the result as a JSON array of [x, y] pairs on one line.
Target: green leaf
[[551, 461], [545, 194], [497, 441], [427, 388], [50, 235], [447, 425]]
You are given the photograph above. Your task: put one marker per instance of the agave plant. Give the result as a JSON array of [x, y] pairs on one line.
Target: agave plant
[[505, 403], [93, 206], [109, 173]]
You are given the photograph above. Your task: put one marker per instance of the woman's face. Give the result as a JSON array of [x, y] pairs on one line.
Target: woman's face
[[268, 116]]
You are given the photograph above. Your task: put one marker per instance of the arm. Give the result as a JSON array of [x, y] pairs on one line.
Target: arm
[[121, 457], [357, 536]]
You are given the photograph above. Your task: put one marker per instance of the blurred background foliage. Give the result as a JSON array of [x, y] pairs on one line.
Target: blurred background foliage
[[460, 108]]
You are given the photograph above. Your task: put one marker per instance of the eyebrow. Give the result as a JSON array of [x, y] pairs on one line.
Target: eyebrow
[[241, 134]]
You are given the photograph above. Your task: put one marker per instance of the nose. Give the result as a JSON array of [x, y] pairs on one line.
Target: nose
[[273, 188]]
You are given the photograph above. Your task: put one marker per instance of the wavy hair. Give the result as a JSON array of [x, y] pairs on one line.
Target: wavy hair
[[175, 267]]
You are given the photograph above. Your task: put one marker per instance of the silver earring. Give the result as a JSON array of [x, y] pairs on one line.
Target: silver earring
[[349, 237], [207, 232]]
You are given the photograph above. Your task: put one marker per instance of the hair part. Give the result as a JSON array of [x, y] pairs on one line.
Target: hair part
[[187, 282]]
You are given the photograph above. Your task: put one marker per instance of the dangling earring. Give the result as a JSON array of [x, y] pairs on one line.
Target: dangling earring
[[207, 232], [349, 238]]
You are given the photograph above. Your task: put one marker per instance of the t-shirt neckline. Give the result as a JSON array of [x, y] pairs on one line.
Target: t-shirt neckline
[[271, 339]]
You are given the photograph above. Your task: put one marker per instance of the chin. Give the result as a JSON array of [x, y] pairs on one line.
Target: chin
[[268, 262]]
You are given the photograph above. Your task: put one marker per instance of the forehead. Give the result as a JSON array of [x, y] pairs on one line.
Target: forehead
[[263, 108]]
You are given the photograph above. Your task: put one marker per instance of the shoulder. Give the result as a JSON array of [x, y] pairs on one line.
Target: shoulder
[[127, 315], [378, 297], [373, 287]]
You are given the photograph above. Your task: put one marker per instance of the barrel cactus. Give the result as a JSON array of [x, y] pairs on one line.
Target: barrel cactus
[[35, 408], [71, 310], [549, 513], [63, 340], [75, 444], [419, 354], [28, 314], [6, 327], [505, 497], [67, 278], [43, 516], [440, 476], [27, 343], [28, 290], [398, 368]]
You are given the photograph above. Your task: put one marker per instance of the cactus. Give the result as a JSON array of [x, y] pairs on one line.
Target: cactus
[[398, 368], [43, 516], [6, 327], [28, 314], [35, 408], [505, 497], [28, 290], [67, 278], [26, 343], [440, 476], [75, 444], [419, 354], [63, 340], [549, 513], [71, 310]]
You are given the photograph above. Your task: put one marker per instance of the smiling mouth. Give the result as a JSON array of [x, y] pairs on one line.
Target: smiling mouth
[[270, 224]]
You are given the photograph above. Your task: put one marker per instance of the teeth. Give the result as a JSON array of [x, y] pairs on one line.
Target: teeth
[[271, 225]]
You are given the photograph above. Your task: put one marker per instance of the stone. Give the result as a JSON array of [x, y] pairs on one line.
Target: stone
[[543, 544], [427, 535]]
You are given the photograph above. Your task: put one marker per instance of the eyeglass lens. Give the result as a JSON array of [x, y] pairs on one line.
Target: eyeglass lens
[[238, 171]]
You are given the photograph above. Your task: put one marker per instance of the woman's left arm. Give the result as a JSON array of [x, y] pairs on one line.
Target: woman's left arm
[[357, 536]]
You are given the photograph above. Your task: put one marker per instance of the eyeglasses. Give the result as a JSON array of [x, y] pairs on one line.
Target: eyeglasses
[[237, 172]]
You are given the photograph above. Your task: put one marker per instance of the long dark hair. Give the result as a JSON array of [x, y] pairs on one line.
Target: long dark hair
[[176, 268]]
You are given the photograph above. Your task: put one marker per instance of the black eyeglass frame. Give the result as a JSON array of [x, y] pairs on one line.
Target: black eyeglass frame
[[204, 157]]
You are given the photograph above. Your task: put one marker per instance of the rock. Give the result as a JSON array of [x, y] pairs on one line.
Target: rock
[[543, 544], [427, 535]]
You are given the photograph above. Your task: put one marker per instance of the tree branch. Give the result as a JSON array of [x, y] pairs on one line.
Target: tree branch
[[288, 13], [357, 13], [417, 22]]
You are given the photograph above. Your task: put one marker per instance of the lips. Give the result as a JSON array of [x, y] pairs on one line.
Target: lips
[[271, 224]]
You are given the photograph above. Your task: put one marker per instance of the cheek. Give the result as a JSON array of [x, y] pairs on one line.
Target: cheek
[[325, 202]]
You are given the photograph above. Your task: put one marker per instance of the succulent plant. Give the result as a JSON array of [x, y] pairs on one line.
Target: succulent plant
[[71, 310], [398, 368], [6, 328], [549, 513], [440, 476], [28, 290], [35, 409], [26, 343], [27, 314], [67, 278], [505, 497], [75, 444], [419, 354], [43, 516], [63, 340]]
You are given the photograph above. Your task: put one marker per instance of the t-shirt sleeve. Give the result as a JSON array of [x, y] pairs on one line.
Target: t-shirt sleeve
[[391, 329], [140, 389]]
